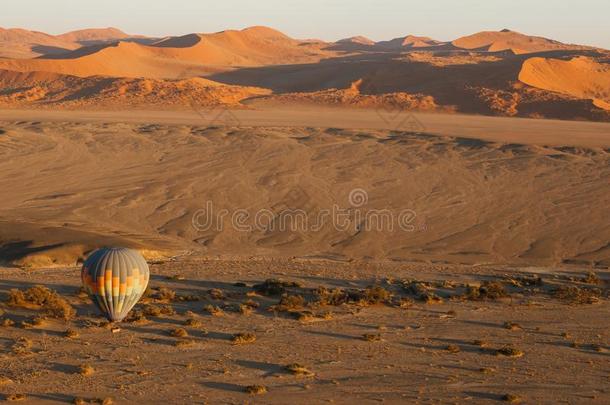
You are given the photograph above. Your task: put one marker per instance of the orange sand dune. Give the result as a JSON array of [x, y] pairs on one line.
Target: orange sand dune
[[91, 35], [20, 43], [580, 77], [178, 57], [356, 40], [410, 41], [495, 41]]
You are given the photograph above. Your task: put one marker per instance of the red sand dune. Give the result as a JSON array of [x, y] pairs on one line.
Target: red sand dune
[[495, 41], [580, 77], [20, 43], [92, 35], [360, 40], [411, 72], [410, 41], [173, 57]]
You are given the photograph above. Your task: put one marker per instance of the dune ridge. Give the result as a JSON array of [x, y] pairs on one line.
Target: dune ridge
[[507, 40], [485, 73], [580, 77]]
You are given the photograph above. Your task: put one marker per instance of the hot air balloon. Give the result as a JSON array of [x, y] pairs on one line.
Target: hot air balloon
[[115, 278]]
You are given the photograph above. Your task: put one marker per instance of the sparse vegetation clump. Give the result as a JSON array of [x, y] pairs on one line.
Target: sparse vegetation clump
[[164, 294], [193, 323], [137, 317], [453, 348], [289, 303], [488, 290], [43, 299], [16, 397], [184, 342], [480, 343], [422, 291], [157, 310], [216, 294], [71, 334], [591, 278], [243, 338], [304, 316], [512, 326], [179, 332], [370, 296], [372, 337], [577, 295], [298, 369], [510, 351], [86, 370], [213, 310], [376, 295], [511, 398], [5, 380], [273, 287], [256, 389], [22, 346]]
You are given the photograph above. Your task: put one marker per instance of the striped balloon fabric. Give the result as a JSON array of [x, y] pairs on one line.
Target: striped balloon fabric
[[115, 278]]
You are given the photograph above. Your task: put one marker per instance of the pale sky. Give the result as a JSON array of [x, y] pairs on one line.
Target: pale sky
[[581, 21]]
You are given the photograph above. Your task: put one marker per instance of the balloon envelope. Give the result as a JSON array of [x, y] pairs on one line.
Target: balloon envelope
[[115, 278]]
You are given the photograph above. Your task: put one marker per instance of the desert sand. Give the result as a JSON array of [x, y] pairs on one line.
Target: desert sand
[[468, 264]]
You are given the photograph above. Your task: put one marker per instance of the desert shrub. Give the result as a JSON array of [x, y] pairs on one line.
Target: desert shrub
[[179, 332], [213, 310], [158, 310], [22, 346], [298, 369], [271, 287], [334, 297], [453, 348], [86, 370], [376, 295], [577, 295], [591, 278], [372, 337], [164, 294], [243, 338], [194, 323], [216, 294], [44, 299], [289, 303], [256, 389], [488, 290], [509, 351]]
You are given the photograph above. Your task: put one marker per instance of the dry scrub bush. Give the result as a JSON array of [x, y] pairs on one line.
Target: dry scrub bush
[[256, 389], [44, 299], [243, 338]]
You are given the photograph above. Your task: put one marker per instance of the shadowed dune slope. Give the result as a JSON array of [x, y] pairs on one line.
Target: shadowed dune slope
[[56, 90], [20, 43], [474, 201], [579, 77], [93, 35]]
